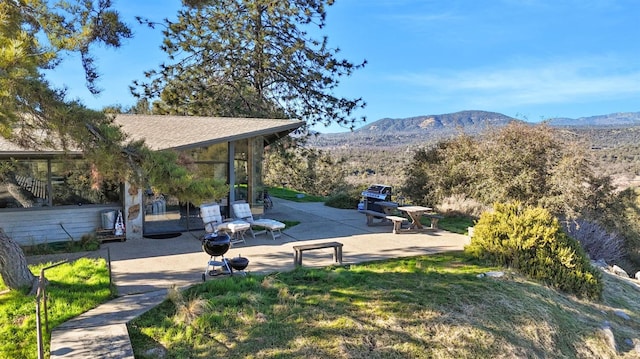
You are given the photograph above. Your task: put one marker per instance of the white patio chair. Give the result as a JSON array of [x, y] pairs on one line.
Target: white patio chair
[[213, 222], [242, 210]]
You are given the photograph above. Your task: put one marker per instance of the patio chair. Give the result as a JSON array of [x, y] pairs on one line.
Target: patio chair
[[242, 210], [213, 222]]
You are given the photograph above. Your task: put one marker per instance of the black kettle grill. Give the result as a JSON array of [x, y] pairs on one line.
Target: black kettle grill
[[216, 245]]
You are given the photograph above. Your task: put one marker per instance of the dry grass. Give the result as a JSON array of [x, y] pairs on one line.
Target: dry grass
[[460, 204], [423, 307]]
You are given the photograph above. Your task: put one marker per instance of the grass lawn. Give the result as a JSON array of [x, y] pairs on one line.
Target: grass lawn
[[294, 196], [73, 289], [421, 307], [455, 224]]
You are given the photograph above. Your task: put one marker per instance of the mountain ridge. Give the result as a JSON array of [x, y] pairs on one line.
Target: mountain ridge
[[469, 118], [392, 132]]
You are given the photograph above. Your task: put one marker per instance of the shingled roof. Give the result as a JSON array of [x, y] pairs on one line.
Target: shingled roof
[[183, 132], [161, 132]]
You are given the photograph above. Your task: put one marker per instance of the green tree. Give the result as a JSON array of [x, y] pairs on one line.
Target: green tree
[[250, 58], [517, 162], [306, 170], [34, 35], [520, 162], [421, 180], [449, 168]]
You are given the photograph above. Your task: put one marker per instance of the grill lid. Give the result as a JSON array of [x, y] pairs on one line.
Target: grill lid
[[378, 191]]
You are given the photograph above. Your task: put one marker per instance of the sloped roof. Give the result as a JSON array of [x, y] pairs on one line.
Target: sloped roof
[[161, 132], [182, 132]]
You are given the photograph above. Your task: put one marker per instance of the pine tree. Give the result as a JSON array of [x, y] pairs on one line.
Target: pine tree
[[250, 58], [34, 35]]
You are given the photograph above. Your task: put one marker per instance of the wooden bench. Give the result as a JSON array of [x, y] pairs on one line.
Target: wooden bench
[[397, 222], [373, 214], [434, 218], [337, 251]]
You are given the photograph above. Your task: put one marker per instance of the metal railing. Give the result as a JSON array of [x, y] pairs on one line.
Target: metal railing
[[41, 294], [41, 301]]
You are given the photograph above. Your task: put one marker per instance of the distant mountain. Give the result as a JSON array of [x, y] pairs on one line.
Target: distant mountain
[[421, 129], [463, 120], [614, 119], [389, 132]]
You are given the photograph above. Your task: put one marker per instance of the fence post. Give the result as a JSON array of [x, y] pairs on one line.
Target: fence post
[[38, 322], [109, 268], [42, 293]]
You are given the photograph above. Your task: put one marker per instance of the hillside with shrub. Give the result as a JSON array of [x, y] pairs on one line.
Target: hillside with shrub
[[582, 175], [381, 150]]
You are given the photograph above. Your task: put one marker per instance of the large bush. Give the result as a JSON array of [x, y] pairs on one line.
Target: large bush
[[449, 168], [521, 162], [305, 170], [531, 241]]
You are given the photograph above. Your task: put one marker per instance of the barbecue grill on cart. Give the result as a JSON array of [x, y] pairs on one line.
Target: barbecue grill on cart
[[375, 193], [216, 244]]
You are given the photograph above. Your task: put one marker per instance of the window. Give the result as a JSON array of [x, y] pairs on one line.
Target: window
[[48, 182]]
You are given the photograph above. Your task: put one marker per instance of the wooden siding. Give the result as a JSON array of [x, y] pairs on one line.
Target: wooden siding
[[45, 225]]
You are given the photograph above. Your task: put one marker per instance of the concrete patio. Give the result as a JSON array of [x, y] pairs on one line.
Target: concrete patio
[[144, 269]]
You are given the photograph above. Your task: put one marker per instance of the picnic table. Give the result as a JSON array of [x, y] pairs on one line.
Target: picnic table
[[415, 212], [385, 216], [387, 207]]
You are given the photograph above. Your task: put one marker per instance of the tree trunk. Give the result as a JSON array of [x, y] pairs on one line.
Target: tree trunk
[[13, 265]]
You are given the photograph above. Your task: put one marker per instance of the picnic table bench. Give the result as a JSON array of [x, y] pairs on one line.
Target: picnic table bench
[[385, 219], [397, 223], [337, 251], [374, 214], [434, 218]]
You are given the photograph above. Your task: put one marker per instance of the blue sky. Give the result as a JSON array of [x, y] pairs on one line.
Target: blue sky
[[530, 59]]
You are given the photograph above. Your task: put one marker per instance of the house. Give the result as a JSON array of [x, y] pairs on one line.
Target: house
[[45, 200]]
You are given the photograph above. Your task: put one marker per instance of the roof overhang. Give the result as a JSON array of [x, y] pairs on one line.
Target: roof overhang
[[188, 132], [164, 132], [38, 154]]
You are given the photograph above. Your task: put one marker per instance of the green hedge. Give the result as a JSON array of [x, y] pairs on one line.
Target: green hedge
[[531, 241]]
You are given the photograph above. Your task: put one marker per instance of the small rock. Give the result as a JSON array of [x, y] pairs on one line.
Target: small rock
[[600, 263], [622, 314], [495, 274], [638, 275], [481, 275], [608, 333], [619, 271], [156, 353]]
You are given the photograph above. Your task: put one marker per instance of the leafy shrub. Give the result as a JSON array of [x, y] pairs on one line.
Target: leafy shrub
[[343, 200], [596, 241], [530, 240]]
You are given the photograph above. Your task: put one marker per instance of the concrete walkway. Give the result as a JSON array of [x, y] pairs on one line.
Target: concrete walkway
[[144, 269]]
